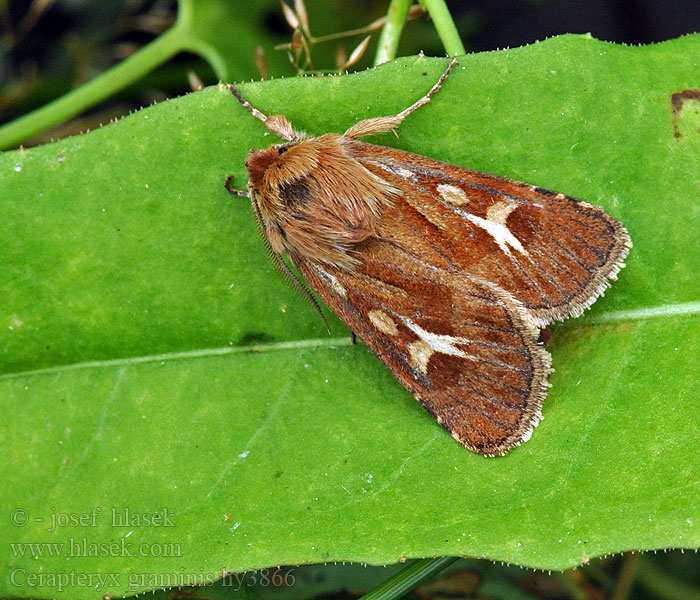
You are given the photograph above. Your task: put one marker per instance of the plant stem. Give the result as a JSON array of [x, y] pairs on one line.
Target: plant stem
[[95, 90], [595, 572], [661, 585], [409, 578], [570, 586], [391, 32], [626, 577], [445, 26]]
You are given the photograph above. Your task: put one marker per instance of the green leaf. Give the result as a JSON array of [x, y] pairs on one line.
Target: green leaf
[[153, 361]]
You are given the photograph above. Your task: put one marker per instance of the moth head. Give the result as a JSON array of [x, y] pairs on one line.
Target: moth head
[[272, 170]]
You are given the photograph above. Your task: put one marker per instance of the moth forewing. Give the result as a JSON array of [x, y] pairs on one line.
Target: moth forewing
[[446, 273], [552, 252]]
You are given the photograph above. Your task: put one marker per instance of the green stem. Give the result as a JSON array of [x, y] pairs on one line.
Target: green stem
[[409, 578], [570, 586], [661, 585], [391, 32], [445, 26], [94, 91], [599, 575], [626, 577]]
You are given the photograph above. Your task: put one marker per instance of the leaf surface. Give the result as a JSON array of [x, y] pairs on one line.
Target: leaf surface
[[154, 362]]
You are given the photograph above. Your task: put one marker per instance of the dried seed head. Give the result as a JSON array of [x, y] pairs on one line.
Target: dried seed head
[[261, 61], [303, 17], [357, 53], [290, 16]]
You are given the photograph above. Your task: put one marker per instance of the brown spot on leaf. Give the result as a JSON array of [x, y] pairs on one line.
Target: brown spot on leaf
[[677, 102]]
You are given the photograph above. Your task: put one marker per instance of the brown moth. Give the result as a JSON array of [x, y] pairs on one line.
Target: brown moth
[[447, 274]]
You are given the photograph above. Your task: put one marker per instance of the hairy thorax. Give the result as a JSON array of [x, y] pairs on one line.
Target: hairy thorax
[[317, 201]]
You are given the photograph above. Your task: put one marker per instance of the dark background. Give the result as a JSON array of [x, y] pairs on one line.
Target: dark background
[[48, 47], [507, 23]]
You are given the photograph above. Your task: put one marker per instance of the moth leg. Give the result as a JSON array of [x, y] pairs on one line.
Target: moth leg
[[353, 338], [391, 122], [233, 191]]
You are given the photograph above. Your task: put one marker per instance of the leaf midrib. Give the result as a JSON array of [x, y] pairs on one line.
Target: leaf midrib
[[638, 314]]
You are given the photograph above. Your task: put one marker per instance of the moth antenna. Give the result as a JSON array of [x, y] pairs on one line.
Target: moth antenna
[[433, 90], [391, 122], [282, 267], [252, 110], [277, 124]]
